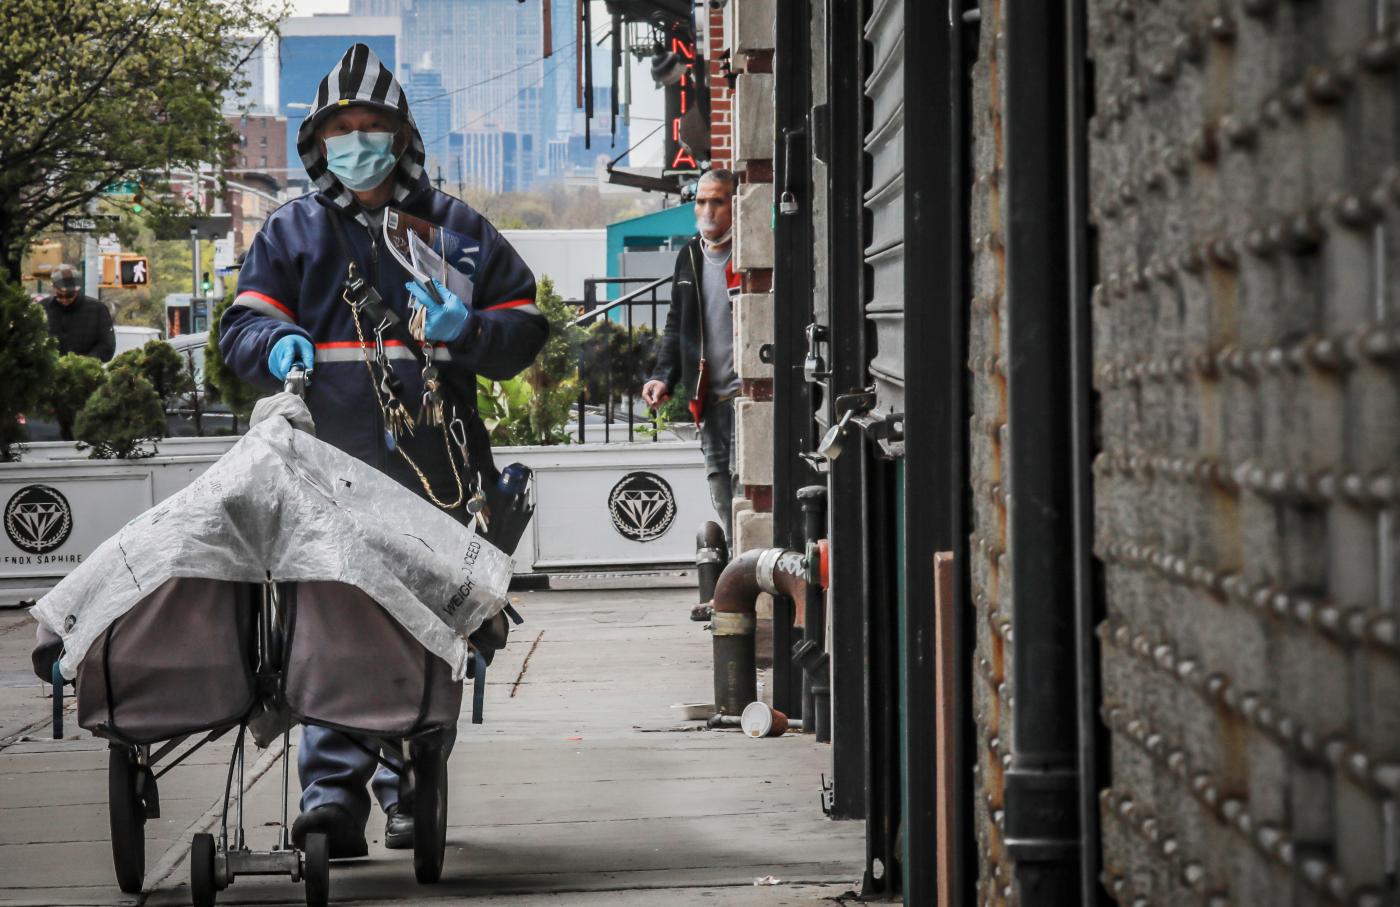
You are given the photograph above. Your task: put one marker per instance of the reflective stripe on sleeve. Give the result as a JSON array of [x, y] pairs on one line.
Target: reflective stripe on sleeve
[[527, 306], [265, 305]]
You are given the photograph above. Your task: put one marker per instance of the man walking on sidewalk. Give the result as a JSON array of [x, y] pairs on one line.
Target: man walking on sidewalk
[[697, 348]]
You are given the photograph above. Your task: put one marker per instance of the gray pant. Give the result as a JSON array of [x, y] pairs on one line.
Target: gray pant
[[718, 443]]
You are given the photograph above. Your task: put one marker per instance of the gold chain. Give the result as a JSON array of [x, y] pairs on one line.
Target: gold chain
[[447, 443]]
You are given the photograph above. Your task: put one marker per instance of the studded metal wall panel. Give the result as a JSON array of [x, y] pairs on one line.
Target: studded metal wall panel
[[884, 250], [1244, 190], [990, 578]]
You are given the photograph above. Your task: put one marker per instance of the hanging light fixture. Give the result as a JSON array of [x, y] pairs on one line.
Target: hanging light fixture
[[667, 67]]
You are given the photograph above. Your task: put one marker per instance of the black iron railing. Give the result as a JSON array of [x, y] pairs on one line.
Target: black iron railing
[[617, 353]]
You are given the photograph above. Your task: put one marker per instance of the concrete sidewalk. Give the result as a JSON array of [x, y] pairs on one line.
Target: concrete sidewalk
[[581, 788]]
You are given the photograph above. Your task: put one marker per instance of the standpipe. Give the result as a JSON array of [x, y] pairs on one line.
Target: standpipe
[[777, 571]]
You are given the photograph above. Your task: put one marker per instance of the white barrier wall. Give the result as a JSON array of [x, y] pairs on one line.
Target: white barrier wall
[[598, 506]]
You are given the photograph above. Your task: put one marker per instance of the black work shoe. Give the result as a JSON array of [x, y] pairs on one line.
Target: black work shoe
[[335, 822], [398, 829], [701, 613]]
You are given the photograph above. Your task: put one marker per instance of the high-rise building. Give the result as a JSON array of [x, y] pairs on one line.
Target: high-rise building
[[310, 48], [256, 173], [376, 7], [482, 165], [432, 111], [496, 160], [492, 109], [258, 73], [491, 56]]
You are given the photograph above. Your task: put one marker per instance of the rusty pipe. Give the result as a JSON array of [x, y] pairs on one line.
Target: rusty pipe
[[777, 571]]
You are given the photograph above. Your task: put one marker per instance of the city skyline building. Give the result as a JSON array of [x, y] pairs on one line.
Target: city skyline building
[[312, 45], [376, 7], [432, 111], [491, 108], [259, 71]]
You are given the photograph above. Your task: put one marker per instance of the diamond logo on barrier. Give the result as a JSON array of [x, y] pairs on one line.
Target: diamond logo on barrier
[[643, 506], [38, 519]]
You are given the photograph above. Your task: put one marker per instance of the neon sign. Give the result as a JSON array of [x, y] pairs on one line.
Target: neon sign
[[679, 99]]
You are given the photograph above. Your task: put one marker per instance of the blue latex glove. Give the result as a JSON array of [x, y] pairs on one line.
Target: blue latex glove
[[290, 350], [444, 322]]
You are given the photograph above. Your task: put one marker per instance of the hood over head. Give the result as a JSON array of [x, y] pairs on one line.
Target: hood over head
[[359, 79]]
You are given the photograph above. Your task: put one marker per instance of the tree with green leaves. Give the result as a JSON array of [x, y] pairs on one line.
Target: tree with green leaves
[[122, 417], [94, 93], [27, 355], [554, 373], [159, 364], [75, 379], [222, 383]]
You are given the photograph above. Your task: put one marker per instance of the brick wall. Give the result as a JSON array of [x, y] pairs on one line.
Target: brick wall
[[721, 116]]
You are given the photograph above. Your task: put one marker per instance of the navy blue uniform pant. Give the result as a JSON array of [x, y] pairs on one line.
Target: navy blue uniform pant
[[334, 770]]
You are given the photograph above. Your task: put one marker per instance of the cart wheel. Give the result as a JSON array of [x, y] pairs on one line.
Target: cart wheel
[[203, 887], [127, 816], [317, 870], [429, 768]]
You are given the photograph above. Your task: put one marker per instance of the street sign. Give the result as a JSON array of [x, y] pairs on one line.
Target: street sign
[[109, 245], [122, 188], [89, 223], [223, 253]]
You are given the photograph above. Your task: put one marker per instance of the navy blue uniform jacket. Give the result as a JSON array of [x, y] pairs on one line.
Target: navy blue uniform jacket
[[292, 283]]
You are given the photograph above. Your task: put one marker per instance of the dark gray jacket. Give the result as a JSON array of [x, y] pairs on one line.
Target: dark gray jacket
[[85, 327]]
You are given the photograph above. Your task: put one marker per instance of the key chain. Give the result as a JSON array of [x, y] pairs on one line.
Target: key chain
[[431, 411]]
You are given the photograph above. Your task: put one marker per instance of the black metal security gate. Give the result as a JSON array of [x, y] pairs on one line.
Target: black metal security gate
[[1125, 343]]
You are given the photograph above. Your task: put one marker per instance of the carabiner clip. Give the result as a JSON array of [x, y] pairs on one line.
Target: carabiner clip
[[458, 430]]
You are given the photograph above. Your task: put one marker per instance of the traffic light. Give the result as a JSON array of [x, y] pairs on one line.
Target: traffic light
[[136, 202], [205, 284], [131, 272]]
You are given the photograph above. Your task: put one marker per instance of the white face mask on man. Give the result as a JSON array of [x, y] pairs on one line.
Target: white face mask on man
[[361, 160]]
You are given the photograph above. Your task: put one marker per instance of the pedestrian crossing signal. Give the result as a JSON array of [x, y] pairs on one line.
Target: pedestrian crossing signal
[[135, 272]]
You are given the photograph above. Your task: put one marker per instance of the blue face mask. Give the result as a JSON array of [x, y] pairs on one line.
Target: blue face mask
[[361, 160]]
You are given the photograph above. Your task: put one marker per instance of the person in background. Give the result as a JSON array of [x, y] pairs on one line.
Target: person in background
[[79, 323], [697, 347]]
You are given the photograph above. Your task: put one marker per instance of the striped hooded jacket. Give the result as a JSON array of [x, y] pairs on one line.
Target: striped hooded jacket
[[291, 283]]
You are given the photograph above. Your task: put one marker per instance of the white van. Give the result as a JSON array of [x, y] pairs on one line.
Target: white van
[[131, 337]]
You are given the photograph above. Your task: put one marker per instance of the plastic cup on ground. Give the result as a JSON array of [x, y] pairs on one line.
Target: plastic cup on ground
[[762, 720]]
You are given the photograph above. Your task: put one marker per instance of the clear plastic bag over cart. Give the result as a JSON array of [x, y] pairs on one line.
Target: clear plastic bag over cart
[[283, 505]]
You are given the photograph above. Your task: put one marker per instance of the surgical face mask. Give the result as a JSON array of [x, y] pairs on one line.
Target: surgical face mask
[[361, 160]]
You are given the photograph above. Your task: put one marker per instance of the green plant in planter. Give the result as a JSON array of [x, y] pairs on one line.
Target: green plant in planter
[[75, 379], [505, 409], [614, 364], [159, 364], [220, 382], [121, 417], [676, 410], [535, 407], [27, 356]]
